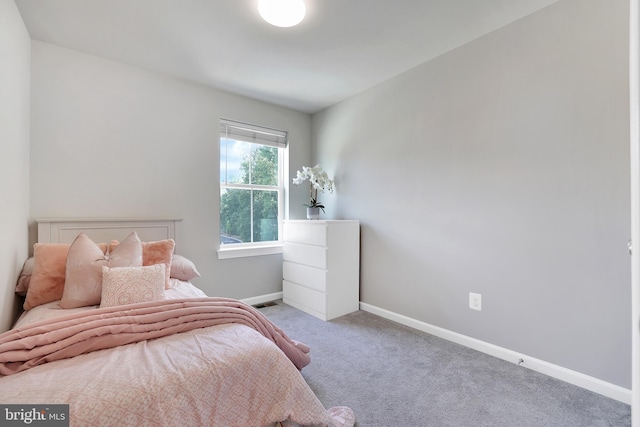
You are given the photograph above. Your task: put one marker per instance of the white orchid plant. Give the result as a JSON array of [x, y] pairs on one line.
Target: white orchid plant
[[318, 180]]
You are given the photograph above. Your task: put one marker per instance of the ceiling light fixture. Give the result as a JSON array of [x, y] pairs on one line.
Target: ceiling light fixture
[[282, 13]]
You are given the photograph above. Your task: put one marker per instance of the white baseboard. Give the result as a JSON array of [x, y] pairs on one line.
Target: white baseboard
[[262, 298], [567, 375]]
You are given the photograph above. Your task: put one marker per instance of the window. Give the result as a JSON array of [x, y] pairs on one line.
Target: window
[[251, 184]]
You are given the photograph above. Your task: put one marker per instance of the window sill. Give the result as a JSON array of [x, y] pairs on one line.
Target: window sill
[[230, 251]]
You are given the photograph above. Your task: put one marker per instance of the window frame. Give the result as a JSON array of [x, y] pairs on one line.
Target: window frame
[[239, 131]]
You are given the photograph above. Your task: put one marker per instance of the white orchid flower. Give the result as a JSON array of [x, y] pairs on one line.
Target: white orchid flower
[[318, 180]]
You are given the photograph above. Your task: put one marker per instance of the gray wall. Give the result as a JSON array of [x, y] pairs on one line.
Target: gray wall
[[111, 140], [14, 154], [500, 168]]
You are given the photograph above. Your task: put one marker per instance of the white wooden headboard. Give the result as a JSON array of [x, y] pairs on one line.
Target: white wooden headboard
[[65, 230]]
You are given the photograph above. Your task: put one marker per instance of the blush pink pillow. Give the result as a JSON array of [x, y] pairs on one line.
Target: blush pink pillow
[[83, 286], [47, 279], [160, 252], [129, 285]]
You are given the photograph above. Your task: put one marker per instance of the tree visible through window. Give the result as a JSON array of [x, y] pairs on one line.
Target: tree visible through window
[[251, 183]]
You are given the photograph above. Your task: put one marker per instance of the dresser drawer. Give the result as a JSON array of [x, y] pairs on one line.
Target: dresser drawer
[[314, 256], [306, 297], [311, 277], [321, 265], [309, 233]]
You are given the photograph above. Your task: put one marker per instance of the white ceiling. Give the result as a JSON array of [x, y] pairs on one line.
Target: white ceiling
[[341, 48]]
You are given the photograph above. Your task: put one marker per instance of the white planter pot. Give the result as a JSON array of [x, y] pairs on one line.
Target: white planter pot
[[313, 213]]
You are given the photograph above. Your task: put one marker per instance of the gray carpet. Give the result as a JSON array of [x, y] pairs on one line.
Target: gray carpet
[[393, 375]]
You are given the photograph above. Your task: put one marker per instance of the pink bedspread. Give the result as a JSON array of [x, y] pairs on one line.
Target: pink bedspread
[[224, 375], [85, 332]]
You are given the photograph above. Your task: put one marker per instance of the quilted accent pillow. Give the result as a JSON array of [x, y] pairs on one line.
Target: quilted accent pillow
[[129, 285], [83, 285], [183, 268], [158, 252]]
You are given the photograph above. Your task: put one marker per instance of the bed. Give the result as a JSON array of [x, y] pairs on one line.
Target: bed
[[152, 350]]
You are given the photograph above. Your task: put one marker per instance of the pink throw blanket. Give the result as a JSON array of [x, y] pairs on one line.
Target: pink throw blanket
[[84, 332]]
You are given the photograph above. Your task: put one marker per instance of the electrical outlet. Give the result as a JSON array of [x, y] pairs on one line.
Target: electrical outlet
[[475, 301]]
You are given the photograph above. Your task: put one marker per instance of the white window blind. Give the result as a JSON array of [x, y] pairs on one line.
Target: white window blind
[[251, 133]]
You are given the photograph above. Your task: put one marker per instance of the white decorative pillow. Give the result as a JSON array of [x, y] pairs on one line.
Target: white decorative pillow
[[129, 285]]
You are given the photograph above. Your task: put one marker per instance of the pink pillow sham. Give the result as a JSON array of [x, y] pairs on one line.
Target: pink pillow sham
[[72, 273], [83, 284], [183, 268], [25, 277]]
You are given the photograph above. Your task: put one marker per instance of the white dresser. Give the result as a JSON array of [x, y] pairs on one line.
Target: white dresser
[[321, 266]]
